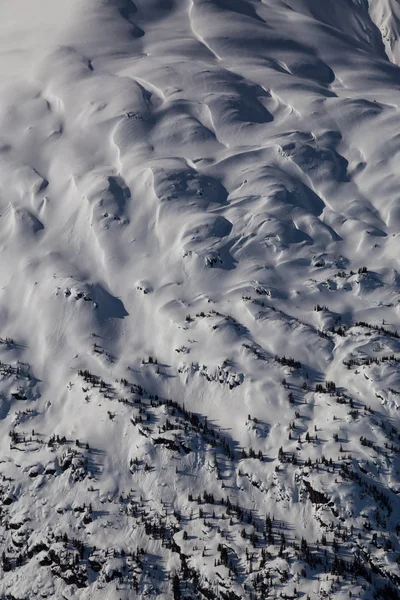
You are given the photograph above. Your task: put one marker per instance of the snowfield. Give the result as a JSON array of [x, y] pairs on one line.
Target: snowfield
[[199, 299]]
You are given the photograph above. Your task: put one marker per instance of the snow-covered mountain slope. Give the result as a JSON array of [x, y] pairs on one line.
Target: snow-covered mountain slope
[[199, 299]]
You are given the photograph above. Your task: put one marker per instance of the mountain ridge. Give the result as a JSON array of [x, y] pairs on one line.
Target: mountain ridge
[[199, 300]]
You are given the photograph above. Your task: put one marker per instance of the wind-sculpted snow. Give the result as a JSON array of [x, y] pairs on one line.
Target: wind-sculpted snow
[[199, 299]]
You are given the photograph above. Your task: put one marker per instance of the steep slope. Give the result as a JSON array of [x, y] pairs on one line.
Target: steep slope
[[199, 299], [386, 15]]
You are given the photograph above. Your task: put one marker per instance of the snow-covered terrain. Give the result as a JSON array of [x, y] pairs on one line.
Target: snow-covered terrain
[[199, 299]]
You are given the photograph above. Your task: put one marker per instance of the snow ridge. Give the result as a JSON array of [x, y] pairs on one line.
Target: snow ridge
[[199, 299]]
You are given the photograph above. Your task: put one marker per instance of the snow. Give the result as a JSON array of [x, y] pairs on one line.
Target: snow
[[199, 230]]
